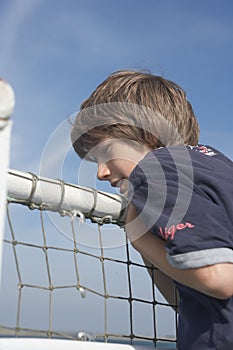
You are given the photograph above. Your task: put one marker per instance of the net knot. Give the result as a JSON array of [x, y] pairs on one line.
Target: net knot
[[83, 336], [75, 213], [107, 219], [82, 292]]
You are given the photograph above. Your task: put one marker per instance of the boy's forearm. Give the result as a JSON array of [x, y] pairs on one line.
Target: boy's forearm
[[215, 280]]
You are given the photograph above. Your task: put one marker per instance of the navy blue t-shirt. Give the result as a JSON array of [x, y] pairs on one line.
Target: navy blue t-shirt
[[184, 195]]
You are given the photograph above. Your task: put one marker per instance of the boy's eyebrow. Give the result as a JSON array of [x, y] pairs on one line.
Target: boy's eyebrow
[[95, 151]]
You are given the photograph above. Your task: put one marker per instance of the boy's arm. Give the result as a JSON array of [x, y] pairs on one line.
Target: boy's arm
[[214, 280], [164, 284]]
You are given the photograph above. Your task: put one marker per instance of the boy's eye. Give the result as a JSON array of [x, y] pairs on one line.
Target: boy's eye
[[91, 157], [104, 150]]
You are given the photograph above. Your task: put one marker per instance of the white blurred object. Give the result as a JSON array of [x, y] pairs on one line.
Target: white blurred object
[[61, 344], [7, 100], [56, 344], [7, 103]]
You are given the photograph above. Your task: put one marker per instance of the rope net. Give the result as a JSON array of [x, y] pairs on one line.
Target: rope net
[[67, 273]]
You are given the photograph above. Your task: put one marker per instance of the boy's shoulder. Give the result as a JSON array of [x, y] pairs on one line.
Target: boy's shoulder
[[206, 150], [200, 161], [210, 151], [209, 157], [180, 152]]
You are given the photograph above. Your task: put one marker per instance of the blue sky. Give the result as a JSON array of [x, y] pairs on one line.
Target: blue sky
[[55, 52]]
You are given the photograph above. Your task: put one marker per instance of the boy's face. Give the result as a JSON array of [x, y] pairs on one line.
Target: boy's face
[[116, 158]]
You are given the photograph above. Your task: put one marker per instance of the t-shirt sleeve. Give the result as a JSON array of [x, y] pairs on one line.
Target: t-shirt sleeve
[[197, 230]]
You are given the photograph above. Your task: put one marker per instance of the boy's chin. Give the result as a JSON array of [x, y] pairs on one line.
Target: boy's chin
[[124, 187], [123, 190]]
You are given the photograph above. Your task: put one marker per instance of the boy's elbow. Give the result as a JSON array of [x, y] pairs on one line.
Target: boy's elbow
[[220, 293], [224, 293], [220, 281]]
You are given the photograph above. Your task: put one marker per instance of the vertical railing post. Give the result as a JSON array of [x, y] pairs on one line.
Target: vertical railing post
[[7, 103]]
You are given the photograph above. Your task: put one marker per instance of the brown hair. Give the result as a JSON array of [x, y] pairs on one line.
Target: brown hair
[[137, 106]]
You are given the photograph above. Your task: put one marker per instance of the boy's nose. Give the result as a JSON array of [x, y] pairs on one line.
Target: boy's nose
[[103, 172]]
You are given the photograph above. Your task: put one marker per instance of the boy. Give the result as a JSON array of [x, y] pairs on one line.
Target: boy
[[142, 132]]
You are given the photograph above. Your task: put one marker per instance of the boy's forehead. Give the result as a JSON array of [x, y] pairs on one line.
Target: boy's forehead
[[111, 143], [106, 142]]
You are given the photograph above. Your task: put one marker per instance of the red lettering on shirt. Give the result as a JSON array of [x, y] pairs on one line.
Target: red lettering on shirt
[[169, 232]]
